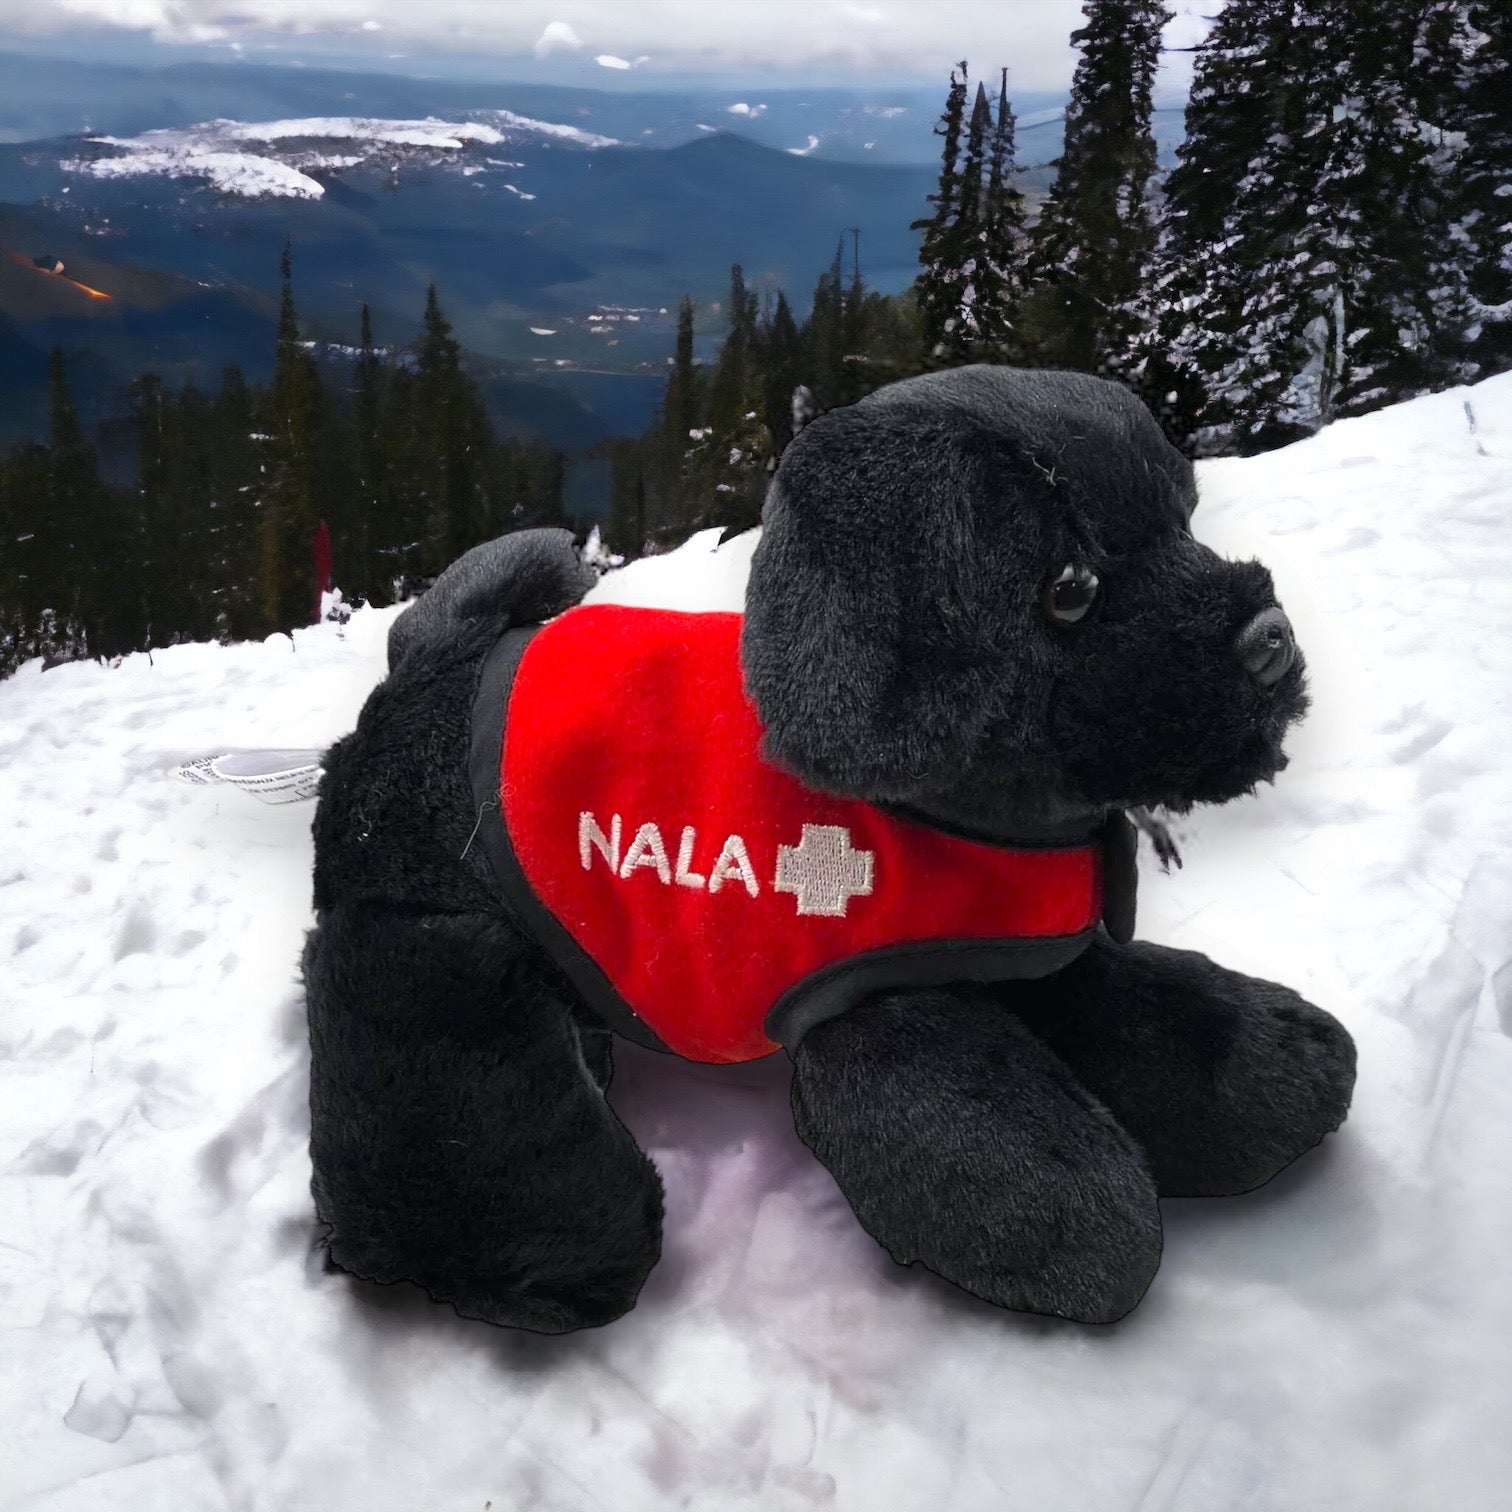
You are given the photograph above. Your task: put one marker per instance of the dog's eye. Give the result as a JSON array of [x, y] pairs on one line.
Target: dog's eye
[[1068, 597]]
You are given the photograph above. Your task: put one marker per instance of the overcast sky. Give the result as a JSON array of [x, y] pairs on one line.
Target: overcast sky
[[610, 40]]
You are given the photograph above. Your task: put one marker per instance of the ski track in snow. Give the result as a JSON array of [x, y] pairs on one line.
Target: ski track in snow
[[1340, 1339]]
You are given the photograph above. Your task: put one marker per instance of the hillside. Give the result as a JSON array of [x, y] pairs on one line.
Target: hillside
[[559, 259], [1341, 1339]]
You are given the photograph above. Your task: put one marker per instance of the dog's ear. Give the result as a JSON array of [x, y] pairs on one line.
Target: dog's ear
[[876, 636]]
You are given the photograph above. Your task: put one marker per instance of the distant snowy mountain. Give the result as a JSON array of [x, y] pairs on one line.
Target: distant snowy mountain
[[279, 159], [526, 223], [1341, 1339]]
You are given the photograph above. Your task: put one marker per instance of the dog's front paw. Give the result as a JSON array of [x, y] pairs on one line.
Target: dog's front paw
[[1224, 1079]]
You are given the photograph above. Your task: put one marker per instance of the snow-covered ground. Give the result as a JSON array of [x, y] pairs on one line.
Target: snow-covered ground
[[257, 159], [1339, 1340]]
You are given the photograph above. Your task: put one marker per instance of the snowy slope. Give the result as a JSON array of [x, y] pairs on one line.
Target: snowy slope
[[272, 159], [1340, 1340]]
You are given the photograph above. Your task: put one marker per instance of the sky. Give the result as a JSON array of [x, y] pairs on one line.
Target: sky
[[608, 42]]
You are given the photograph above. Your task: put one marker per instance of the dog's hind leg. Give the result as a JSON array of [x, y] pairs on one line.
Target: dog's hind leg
[[962, 1142], [459, 1132], [1224, 1079]]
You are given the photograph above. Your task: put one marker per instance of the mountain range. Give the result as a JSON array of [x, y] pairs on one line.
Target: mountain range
[[561, 226]]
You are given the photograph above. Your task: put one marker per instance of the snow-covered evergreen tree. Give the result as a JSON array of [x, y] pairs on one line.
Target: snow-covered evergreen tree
[[973, 253], [1331, 281], [1000, 274], [1487, 184], [936, 293], [1233, 107], [1089, 252]]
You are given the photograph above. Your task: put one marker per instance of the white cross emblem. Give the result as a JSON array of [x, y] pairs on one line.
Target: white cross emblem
[[823, 872]]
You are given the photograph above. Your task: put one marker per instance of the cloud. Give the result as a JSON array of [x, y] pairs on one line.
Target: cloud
[[134, 15], [899, 39], [558, 37], [608, 60]]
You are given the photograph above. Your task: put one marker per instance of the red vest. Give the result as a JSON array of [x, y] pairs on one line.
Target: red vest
[[676, 873]]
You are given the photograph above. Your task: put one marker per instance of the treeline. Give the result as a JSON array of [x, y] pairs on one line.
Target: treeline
[[389, 449], [706, 458], [1337, 235]]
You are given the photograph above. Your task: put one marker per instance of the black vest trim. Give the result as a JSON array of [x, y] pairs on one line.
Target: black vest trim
[[834, 990], [495, 679]]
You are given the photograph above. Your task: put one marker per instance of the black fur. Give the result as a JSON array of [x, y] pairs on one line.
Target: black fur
[[963, 1143], [460, 1139], [895, 642], [1223, 1079], [459, 1133], [898, 650]]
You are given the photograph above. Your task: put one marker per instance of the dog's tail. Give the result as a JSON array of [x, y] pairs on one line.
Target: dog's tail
[[516, 579]]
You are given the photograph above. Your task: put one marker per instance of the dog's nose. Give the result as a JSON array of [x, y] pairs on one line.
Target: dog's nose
[[1266, 647]]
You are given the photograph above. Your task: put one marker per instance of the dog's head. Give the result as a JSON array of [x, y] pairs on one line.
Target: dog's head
[[977, 595]]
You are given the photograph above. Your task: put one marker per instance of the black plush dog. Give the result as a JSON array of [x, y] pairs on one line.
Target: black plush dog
[[977, 631]]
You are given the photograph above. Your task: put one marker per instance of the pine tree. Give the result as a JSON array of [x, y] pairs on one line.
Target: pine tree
[[192, 614], [729, 483], [974, 245], [937, 251], [25, 586], [1487, 184], [1235, 103], [727, 387], [682, 403], [68, 525], [1091, 248], [1326, 286], [1000, 274], [825, 335], [1394, 159], [450, 424], [678, 431], [628, 528], [368, 533], [288, 506], [237, 461], [781, 373], [964, 245], [157, 506]]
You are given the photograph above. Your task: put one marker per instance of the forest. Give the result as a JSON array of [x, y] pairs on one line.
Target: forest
[[1335, 236], [381, 459]]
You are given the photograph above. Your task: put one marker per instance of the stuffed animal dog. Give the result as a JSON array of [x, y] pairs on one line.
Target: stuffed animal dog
[[877, 821]]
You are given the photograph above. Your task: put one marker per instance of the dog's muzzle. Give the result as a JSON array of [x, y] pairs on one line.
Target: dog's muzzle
[[1266, 647]]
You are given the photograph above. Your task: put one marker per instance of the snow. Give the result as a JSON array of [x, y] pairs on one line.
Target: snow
[[1340, 1339], [241, 173], [509, 121], [274, 158]]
